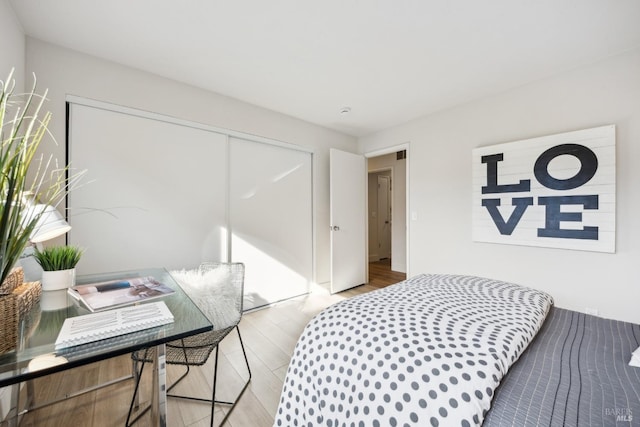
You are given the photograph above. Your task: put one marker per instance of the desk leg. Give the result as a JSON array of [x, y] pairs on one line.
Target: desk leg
[[159, 398], [14, 407]]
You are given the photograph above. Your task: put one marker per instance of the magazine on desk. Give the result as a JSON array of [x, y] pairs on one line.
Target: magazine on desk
[[116, 293], [94, 327]]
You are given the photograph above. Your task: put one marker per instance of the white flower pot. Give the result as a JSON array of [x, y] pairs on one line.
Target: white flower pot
[[61, 279], [54, 300]]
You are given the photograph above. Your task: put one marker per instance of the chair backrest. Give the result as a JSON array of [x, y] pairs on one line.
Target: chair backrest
[[217, 288]]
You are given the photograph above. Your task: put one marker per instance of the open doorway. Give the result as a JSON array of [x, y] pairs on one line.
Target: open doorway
[[380, 211], [387, 217]]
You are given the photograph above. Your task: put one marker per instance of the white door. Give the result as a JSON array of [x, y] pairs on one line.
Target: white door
[[347, 189], [153, 211], [384, 216], [270, 211]]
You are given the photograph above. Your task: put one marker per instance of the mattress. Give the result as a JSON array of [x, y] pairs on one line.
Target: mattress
[[575, 373], [427, 351]]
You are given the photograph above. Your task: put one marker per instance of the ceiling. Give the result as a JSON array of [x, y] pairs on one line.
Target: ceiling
[[388, 60]]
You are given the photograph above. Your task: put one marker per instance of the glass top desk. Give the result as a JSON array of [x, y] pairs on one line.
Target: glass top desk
[[36, 355]]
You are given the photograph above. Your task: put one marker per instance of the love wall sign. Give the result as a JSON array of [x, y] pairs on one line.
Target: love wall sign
[[555, 191]]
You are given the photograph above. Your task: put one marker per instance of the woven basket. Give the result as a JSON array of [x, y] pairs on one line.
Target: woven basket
[[26, 295], [13, 280], [17, 299], [8, 323]]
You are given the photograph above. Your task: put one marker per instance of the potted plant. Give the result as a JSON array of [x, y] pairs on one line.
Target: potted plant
[[59, 266], [27, 179], [24, 172]]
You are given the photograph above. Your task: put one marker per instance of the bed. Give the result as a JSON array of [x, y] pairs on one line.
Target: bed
[[447, 350], [575, 373]]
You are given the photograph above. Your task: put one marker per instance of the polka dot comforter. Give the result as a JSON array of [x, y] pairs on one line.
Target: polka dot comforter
[[427, 351]]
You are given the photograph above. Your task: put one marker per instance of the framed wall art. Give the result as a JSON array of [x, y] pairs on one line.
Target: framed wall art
[[556, 191]]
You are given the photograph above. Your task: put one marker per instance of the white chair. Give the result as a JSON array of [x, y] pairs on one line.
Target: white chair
[[217, 289]]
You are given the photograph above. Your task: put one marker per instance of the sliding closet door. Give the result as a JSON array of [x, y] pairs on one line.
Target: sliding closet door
[[271, 219], [167, 193], [156, 191]]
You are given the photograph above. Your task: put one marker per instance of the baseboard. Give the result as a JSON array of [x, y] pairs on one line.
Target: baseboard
[[320, 288]]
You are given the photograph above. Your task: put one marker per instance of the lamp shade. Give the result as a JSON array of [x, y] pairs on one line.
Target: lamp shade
[[51, 223]]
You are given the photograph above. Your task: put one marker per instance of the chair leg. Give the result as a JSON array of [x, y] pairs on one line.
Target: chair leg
[[246, 384], [186, 359], [244, 353], [136, 378], [135, 401], [213, 392], [213, 400]]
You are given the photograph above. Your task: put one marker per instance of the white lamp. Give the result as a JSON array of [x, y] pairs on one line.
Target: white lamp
[[50, 224]]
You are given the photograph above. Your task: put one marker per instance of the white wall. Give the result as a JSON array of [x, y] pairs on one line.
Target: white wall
[[68, 72], [604, 93], [12, 42]]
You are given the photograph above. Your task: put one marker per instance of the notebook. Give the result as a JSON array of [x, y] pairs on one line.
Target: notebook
[[107, 324]]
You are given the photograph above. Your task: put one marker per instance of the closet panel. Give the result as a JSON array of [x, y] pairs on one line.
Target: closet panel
[[271, 219], [155, 194]]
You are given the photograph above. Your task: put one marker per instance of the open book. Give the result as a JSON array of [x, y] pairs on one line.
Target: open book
[[115, 293]]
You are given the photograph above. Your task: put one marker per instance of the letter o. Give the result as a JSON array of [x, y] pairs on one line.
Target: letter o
[[588, 166]]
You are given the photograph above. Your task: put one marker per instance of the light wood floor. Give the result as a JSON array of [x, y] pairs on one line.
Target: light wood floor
[[381, 275], [269, 336]]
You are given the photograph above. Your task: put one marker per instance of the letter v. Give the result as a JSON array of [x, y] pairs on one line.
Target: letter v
[[506, 228]]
